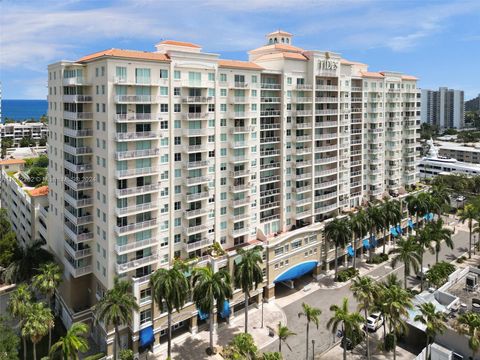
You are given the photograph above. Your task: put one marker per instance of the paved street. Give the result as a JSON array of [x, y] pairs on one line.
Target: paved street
[[323, 298]]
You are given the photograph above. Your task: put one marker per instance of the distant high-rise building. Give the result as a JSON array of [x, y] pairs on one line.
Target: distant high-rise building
[[443, 107]]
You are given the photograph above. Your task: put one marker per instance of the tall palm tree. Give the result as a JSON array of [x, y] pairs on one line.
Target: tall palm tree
[[469, 213], [407, 252], [17, 306], [210, 287], [312, 315], [392, 215], [46, 281], [39, 319], [348, 321], [396, 302], [26, 262], [283, 333], [248, 274], [416, 205], [170, 287], [117, 307], [375, 223], [74, 341], [424, 239], [440, 197], [469, 323], [434, 321], [364, 290], [359, 227], [391, 280], [440, 234], [339, 232]]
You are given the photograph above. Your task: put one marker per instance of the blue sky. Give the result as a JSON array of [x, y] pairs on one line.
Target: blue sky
[[436, 40]]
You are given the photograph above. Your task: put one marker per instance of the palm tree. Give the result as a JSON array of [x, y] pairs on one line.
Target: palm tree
[[283, 333], [469, 213], [439, 234], [416, 205], [440, 198], [170, 287], [116, 308], [391, 280], [74, 341], [348, 321], [424, 239], [408, 252], [435, 322], [248, 274], [364, 290], [359, 227], [38, 321], [312, 315], [396, 303], [210, 287], [26, 262], [469, 323], [375, 222], [17, 306], [339, 232], [46, 282], [392, 215]]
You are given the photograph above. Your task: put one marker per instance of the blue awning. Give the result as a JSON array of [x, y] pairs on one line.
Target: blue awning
[[399, 230], [428, 216], [410, 223], [225, 312], [366, 243], [146, 336], [350, 250], [202, 315], [393, 231], [296, 271]]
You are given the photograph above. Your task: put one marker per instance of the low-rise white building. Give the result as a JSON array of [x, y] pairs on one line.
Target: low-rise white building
[[27, 207], [19, 130]]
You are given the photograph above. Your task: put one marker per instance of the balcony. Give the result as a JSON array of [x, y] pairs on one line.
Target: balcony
[[270, 165], [303, 86], [75, 235], [324, 124], [198, 83], [326, 184], [303, 138], [139, 190], [306, 125], [129, 210], [269, 179], [191, 230], [69, 115], [324, 209], [240, 159], [137, 245], [267, 140], [130, 265], [136, 172], [269, 205], [198, 196], [200, 244], [302, 189], [78, 184], [239, 144], [136, 226], [301, 112], [78, 220], [240, 173], [326, 172], [240, 114], [302, 100], [304, 201], [196, 164], [303, 213], [135, 99], [77, 203], [266, 153], [330, 100], [302, 150], [240, 217], [200, 132], [240, 232], [240, 187], [77, 271], [326, 196], [77, 98], [240, 202], [189, 214], [79, 81], [197, 116], [326, 160], [134, 154], [271, 86], [270, 113], [326, 136], [239, 99], [242, 129], [274, 99], [303, 176], [197, 180], [77, 133], [137, 117], [142, 135], [326, 87], [326, 112], [326, 148], [196, 148], [197, 99], [78, 254], [81, 150], [77, 168]]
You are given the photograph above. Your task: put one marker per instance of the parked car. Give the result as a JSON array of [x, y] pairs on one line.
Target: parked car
[[422, 273], [374, 321]]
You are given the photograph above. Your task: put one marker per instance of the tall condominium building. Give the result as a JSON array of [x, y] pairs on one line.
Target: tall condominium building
[[156, 155], [443, 107]]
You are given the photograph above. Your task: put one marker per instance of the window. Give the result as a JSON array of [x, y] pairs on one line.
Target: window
[[211, 76], [163, 90], [223, 92], [223, 77], [163, 74], [177, 91], [177, 75], [145, 316]]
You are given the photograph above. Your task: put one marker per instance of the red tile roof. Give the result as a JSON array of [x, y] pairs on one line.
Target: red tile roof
[[12, 161], [130, 54], [409, 77], [348, 62], [283, 47], [179, 43], [40, 191], [235, 64], [372, 74], [282, 55]]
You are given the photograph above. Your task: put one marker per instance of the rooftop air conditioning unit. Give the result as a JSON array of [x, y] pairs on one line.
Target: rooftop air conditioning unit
[[471, 281]]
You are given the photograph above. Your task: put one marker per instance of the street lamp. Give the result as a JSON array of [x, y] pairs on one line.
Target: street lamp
[[313, 349]]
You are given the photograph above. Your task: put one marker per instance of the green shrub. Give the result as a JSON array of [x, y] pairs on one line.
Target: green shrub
[[126, 354], [461, 259], [389, 342], [346, 274], [378, 259]]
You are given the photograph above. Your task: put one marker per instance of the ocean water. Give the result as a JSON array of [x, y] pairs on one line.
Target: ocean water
[[20, 110]]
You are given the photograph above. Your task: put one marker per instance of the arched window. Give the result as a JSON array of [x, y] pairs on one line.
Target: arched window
[[283, 40], [288, 40], [275, 40], [270, 41]]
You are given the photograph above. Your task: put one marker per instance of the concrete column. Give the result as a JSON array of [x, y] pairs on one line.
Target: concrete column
[[193, 327], [270, 292]]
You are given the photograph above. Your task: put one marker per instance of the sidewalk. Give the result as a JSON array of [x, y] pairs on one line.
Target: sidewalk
[[193, 347]]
